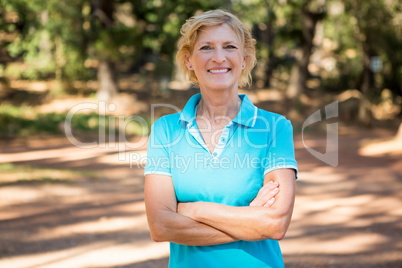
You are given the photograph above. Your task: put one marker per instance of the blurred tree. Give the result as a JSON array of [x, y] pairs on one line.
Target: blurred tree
[[268, 39], [103, 11], [305, 15], [286, 29], [160, 23], [43, 34], [261, 16], [377, 39]]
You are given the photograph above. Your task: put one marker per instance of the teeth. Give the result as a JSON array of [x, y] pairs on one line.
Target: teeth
[[219, 71]]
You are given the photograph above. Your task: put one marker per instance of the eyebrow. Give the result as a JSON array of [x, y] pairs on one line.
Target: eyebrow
[[225, 43]]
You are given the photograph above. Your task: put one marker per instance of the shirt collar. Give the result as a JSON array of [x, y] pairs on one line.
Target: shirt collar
[[248, 112], [247, 115], [188, 113]]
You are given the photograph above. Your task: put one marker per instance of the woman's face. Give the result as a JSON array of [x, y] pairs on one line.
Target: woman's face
[[217, 58]]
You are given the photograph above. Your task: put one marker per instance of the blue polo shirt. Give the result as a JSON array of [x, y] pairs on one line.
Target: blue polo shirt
[[254, 143]]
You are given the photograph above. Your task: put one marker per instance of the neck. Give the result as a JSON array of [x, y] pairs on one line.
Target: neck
[[218, 105]]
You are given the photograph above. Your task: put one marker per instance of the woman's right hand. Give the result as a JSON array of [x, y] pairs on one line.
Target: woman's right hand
[[266, 195]]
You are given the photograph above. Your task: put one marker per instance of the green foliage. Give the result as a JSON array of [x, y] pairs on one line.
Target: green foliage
[[64, 39], [49, 38]]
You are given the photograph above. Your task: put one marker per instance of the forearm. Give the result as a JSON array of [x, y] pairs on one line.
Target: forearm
[[167, 225], [254, 222], [244, 223], [176, 228]]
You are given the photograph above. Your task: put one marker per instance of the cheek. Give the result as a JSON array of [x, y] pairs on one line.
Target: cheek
[[201, 60]]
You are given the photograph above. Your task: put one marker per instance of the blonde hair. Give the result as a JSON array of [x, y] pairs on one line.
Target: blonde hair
[[189, 33]]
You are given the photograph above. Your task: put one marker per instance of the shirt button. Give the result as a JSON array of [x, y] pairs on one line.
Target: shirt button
[[215, 154], [223, 139]]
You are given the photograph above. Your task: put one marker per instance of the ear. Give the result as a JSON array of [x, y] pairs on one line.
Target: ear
[[243, 65], [188, 63]]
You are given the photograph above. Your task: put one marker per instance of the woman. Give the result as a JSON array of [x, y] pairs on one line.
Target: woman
[[220, 175]]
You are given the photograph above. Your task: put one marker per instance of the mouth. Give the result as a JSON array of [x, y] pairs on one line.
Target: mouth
[[219, 71]]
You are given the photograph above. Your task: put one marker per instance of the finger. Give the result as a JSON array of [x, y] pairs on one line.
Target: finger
[[270, 186], [264, 196], [270, 202], [268, 197], [269, 190], [256, 203], [269, 194], [260, 199]]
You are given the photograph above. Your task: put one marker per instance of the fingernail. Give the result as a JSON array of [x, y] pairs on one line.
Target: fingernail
[[271, 201], [276, 190]]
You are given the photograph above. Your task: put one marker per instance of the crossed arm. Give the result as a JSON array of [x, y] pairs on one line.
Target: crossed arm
[[205, 223]]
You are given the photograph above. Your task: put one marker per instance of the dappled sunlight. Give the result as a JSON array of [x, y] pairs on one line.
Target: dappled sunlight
[[129, 154], [331, 210], [97, 254], [95, 227], [39, 155], [134, 159], [316, 176], [350, 211], [382, 147], [357, 242], [91, 224], [25, 194], [71, 153], [36, 86], [337, 215], [28, 174]]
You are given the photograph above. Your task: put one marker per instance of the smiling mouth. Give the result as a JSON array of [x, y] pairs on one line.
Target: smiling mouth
[[219, 71]]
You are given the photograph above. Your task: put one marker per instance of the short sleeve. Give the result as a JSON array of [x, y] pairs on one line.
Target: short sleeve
[[280, 153], [158, 161]]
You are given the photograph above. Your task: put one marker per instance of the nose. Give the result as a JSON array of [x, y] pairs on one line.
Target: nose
[[219, 55]]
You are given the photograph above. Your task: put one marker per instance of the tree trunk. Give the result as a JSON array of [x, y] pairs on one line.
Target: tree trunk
[[293, 89], [104, 9], [107, 81], [268, 37], [366, 82], [364, 108], [229, 5], [300, 75]]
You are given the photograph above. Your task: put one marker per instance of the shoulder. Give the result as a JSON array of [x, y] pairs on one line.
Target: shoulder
[[165, 126], [266, 118], [166, 120]]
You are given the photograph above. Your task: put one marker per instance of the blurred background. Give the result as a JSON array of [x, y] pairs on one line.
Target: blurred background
[[71, 195]]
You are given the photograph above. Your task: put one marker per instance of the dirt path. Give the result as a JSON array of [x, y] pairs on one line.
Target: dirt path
[[62, 206]]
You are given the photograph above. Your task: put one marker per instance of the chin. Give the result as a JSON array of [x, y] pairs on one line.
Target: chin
[[221, 86]]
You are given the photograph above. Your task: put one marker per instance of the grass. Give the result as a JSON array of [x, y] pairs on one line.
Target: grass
[[25, 121]]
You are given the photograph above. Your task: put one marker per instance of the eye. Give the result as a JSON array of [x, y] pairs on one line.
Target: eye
[[231, 47], [205, 48]]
